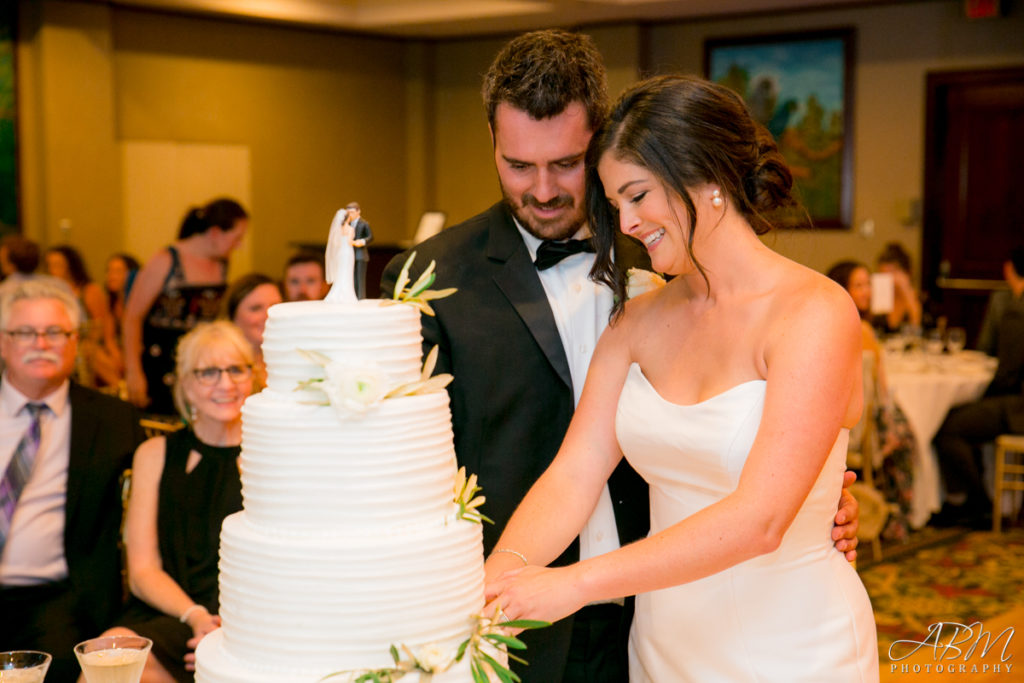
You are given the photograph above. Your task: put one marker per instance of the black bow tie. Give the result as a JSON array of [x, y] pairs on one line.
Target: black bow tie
[[549, 253]]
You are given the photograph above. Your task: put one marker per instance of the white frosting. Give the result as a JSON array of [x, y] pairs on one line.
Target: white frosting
[[370, 332], [348, 542]]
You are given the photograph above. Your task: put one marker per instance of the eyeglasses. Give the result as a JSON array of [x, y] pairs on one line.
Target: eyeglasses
[[54, 336], [211, 375]]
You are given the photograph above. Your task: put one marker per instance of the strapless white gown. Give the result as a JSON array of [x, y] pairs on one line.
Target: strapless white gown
[[799, 614]]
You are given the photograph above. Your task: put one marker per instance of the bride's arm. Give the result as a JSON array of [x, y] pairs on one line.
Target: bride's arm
[[812, 366], [560, 502]]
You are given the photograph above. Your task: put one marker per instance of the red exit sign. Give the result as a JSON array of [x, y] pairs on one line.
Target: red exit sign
[[983, 9]]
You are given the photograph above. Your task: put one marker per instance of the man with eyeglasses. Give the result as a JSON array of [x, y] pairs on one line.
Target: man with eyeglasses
[[62, 451]]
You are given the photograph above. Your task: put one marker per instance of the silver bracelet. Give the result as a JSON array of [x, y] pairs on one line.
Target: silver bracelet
[[511, 552], [184, 615]]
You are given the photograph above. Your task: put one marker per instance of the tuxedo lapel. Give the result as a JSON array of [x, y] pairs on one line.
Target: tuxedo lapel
[[84, 423], [516, 277]]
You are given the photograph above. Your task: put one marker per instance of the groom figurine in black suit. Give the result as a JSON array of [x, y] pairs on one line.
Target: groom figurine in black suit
[[361, 237], [519, 333], [62, 451]]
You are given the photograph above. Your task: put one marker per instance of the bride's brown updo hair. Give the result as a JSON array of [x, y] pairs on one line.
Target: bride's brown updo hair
[[687, 131]]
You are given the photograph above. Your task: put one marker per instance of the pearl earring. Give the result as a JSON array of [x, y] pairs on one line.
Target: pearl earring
[[193, 413], [716, 199]]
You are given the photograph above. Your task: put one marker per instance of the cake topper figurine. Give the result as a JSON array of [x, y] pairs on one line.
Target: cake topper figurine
[[340, 260]]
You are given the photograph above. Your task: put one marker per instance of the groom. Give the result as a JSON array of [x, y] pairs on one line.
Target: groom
[[519, 333]]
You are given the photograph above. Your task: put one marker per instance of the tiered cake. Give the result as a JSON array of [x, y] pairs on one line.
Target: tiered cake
[[349, 542]]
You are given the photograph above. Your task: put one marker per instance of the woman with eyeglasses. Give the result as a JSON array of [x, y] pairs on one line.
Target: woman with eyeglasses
[[183, 486]]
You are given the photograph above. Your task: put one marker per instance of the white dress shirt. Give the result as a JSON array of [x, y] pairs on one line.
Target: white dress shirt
[[581, 307], [34, 552]]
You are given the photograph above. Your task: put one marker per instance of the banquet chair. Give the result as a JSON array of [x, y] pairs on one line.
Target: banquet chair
[[1009, 466], [151, 428], [860, 456]]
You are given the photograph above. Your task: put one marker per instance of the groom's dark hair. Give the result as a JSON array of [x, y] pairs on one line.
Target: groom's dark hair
[[543, 72]]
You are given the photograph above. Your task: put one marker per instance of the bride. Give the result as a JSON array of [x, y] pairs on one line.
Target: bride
[[731, 390]]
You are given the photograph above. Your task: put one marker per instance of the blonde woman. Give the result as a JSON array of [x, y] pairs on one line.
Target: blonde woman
[[183, 486]]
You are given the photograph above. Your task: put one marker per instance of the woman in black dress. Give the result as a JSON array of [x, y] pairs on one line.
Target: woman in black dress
[[180, 286], [183, 486]]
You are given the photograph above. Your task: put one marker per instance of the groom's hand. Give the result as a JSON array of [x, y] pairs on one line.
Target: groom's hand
[[844, 533]]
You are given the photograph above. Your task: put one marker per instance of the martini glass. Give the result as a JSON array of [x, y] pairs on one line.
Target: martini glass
[[113, 659], [23, 666]]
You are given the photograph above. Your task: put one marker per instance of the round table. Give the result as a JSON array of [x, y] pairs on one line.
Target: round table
[[926, 387]]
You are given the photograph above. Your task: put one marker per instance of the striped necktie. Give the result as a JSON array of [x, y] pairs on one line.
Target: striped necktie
[[18, 470]]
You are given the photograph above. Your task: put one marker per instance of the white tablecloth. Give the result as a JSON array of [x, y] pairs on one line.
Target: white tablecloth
[[926, 388]]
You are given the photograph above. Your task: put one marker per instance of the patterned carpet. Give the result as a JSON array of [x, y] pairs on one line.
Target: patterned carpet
[[950, 576]]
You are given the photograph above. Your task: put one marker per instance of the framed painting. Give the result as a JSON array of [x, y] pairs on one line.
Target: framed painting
[[799, 86], [8, 130]]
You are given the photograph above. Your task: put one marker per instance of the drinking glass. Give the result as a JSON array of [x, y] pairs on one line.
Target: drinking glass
[[912, 335], [956, 339], [23, 666], [113, 659], [933, 343]]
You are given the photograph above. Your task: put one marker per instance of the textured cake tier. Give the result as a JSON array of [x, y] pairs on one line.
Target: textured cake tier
[[305, 471], [339, 603], [217, 665], [370, 333]]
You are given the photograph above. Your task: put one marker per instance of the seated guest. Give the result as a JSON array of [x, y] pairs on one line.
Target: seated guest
[[245, 304], [19, 258], [1002, 300], [968, 427], [99, 352], [183, 486], [120, 276], [60, 567], [906, 305], [304, 277], [896, 442]]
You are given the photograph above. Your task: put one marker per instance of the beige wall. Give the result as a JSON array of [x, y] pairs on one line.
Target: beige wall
[[398, 125], [323, 116]]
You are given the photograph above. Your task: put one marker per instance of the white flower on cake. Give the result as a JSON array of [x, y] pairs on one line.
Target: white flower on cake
[[640, 281], [432, 659], [353, 388]]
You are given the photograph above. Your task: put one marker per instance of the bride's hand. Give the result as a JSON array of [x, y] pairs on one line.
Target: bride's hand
[[541, 593]]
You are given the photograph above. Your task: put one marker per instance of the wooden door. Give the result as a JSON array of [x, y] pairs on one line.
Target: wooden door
[[974, 188]]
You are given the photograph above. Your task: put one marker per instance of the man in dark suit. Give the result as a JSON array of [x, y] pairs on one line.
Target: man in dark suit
[[968, 427], [519, 333], [361, 237], [60, 565]]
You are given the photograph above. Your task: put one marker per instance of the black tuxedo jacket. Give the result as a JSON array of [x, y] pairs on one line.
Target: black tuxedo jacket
[[104, 433], [512, 396], [361, 231]]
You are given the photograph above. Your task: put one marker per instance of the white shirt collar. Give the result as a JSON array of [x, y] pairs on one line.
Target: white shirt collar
[[12, 400]]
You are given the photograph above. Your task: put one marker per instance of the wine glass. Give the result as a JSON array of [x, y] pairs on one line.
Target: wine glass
[[23, 666], [933, 343], [113, 659], [956, 339]]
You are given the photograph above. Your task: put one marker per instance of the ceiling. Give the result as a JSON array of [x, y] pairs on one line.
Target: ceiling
[[450, 18]]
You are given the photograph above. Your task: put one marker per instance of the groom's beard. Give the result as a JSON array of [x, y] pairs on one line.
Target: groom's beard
[[562, 227]]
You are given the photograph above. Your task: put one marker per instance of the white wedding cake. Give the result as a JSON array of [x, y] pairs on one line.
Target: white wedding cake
[[351, 540]]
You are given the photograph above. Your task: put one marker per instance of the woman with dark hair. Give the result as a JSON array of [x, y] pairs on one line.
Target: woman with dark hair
[[180, 286], [99, 355], [896, 442], [906, 302], [731, 390], [120, 276], [246, 304]]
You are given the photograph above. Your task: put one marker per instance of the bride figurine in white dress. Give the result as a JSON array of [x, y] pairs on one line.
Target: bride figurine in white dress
[[731, 390], [339, 259]]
